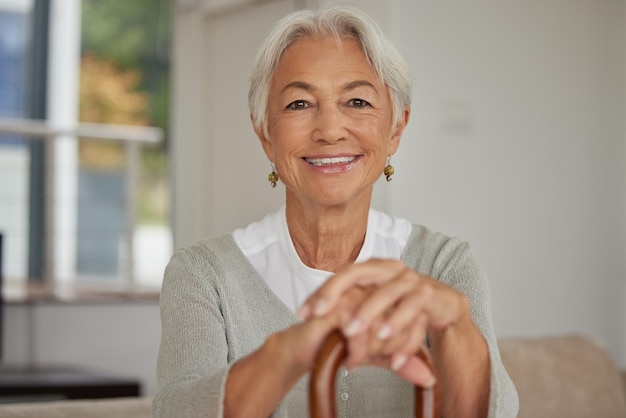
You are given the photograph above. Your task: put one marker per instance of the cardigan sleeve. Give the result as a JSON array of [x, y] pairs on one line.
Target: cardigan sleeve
[[192, 365], [458, 268]]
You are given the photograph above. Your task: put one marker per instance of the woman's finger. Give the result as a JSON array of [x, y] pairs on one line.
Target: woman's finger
[[415, 371], [375, 345], [357, 352], [385, 299], [409, 312], [349, 304], [443, 305], [409, 340], [410, 367], [301, 341], [371, 272]]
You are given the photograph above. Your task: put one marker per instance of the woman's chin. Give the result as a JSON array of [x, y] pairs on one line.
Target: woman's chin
[[338, 196]]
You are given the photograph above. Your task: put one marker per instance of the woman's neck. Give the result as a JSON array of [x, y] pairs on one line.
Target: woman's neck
[[327, 238]]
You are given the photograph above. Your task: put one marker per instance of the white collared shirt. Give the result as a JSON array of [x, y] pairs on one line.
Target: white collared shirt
[[269, 248]]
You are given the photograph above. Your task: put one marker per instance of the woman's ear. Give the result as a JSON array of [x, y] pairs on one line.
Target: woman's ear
[[267, 145], [398, 130]]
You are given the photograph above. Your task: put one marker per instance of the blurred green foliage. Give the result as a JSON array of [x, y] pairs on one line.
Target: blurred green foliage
[[134, 36]]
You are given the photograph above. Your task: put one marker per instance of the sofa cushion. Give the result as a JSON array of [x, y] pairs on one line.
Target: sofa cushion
[[565, 376], [100, 408]]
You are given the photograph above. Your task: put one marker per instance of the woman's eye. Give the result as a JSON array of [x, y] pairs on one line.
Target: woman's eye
[[297, 105], [359, 103]]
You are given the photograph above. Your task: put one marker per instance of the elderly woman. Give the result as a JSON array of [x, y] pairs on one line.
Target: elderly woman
[[243, 315]]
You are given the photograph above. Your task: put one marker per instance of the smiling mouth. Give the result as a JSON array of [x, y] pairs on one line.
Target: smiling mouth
[[319, 162]]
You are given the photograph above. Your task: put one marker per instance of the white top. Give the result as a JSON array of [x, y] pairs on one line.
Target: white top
[[268, 246]]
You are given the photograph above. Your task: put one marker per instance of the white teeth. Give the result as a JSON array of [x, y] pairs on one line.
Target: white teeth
[[328, 161]]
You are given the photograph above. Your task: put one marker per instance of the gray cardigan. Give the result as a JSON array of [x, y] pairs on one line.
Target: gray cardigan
[[215, 309]]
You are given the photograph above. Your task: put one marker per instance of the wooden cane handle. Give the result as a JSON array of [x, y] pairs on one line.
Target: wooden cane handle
[[322, 384]]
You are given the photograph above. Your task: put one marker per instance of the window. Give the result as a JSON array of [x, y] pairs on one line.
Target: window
[[15, 18], [124, 80], [85, 201]]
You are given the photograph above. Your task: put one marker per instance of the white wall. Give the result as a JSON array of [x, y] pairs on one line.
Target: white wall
[[219, 171], [517, 144], [623, 174], [117, 338]]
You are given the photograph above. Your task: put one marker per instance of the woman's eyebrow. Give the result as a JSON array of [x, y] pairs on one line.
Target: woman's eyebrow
[[298, 85], [302, 85], [358, 83]]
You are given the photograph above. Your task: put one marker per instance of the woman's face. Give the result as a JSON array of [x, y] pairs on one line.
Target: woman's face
[[330, 127]]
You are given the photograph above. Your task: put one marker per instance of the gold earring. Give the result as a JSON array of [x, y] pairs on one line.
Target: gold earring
[[388, 171], [273, 177]]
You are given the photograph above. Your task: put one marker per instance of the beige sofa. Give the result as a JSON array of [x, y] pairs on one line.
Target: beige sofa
[[565, 376]]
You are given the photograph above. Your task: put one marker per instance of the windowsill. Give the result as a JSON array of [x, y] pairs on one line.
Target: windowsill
[[74, 294]]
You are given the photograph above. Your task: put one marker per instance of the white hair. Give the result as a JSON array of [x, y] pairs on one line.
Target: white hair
[[341, 22]]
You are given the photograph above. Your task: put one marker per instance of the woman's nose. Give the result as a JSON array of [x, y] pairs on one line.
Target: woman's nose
[[329, 124]]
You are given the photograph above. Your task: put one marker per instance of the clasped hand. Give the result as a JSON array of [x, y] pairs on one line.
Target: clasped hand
[[385, 310]]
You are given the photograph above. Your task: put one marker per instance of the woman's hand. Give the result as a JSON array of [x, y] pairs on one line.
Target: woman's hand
[[388, 326], [297, 346], [282, 360]]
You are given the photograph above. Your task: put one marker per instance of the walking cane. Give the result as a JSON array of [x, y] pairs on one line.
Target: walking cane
[[322, 384]]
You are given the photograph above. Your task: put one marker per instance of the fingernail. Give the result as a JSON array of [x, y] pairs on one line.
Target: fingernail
[[353, 328], [384, 332], [430, 383], [398, 362], [319, 308]]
